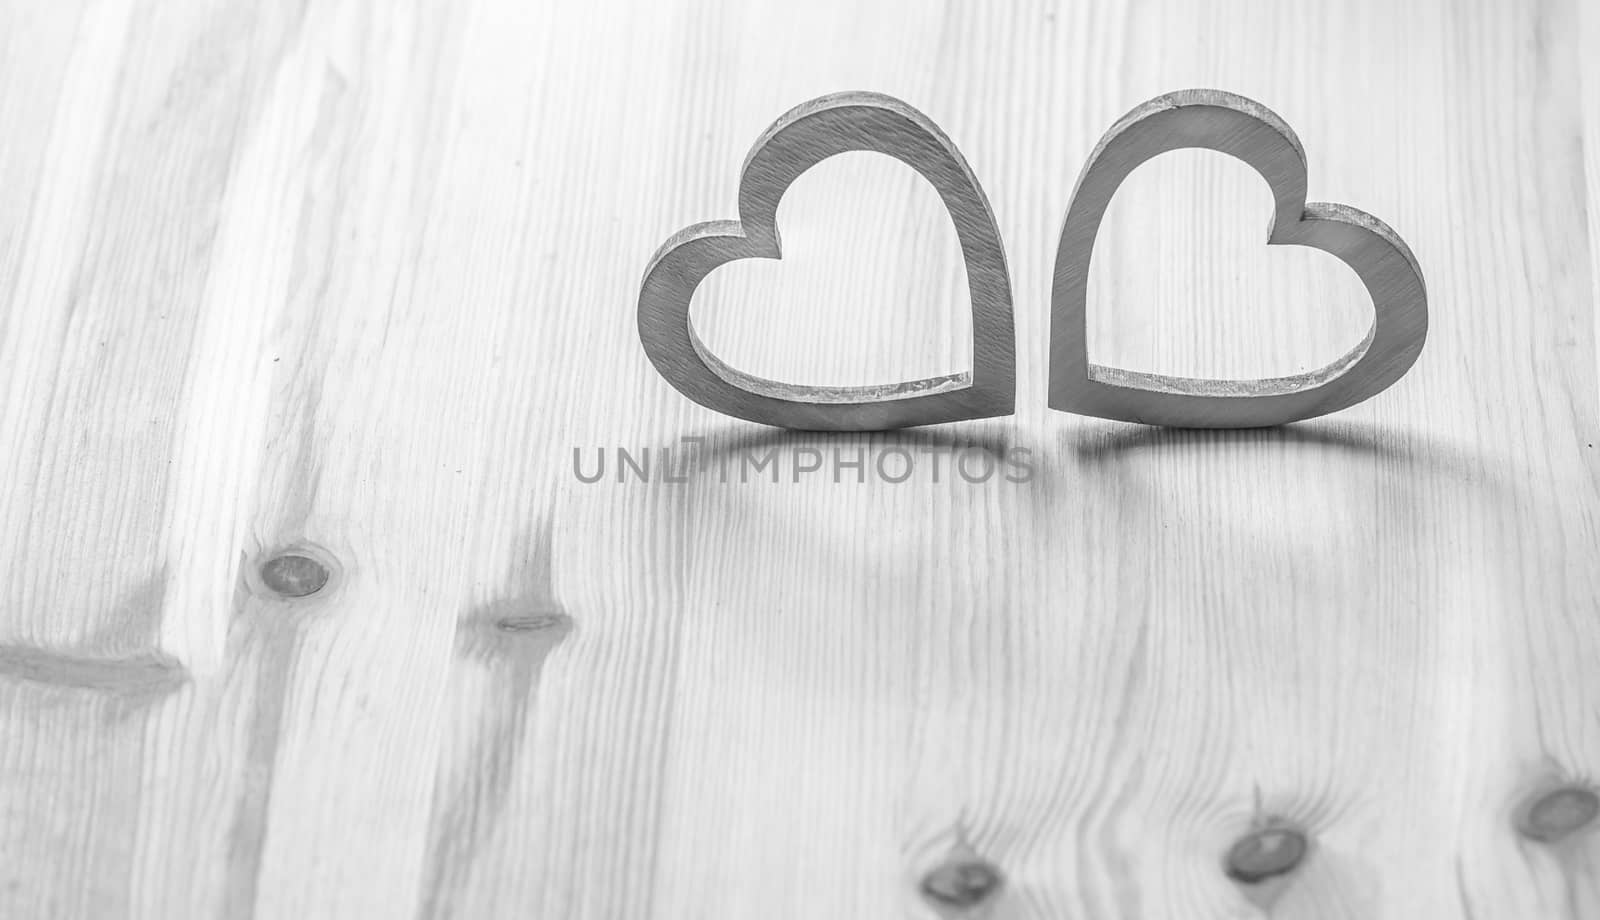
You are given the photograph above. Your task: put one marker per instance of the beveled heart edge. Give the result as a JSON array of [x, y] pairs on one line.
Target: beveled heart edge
[[803, 137]]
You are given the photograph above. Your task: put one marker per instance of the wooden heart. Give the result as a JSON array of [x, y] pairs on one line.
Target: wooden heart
[[799, 140], [1249, 131]]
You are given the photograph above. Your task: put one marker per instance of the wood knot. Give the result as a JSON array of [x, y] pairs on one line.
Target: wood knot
[[961, 884], [557, 622], [1264, 854], [1554, 815], [294, 574]]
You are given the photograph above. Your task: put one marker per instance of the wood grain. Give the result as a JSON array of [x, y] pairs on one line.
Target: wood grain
[[353, 279]]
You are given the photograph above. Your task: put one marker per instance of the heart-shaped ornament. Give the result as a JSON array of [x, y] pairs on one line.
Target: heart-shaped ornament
[[1244, 129], [799, 140]]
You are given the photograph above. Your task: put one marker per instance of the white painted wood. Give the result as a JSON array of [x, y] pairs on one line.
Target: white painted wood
[[361, 275]]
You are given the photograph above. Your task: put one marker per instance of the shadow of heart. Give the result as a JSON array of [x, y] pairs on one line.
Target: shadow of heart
[[729, 441]]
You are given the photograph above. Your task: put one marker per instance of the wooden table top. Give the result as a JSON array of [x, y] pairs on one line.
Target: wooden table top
[[355, 281]]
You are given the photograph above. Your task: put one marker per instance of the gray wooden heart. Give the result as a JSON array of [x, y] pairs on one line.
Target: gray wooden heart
[[1237, 126], [799, 140]]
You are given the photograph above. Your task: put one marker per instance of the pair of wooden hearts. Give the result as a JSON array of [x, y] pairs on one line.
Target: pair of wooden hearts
[[1207, 119]]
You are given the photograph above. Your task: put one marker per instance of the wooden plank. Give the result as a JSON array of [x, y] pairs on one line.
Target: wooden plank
[[358, 278]]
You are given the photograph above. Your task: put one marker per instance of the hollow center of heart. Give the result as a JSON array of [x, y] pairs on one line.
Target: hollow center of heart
[[1182, 282], [871, 288]]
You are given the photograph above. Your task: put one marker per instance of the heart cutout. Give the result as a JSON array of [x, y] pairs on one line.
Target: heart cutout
[[802, 138], [1247, 130]]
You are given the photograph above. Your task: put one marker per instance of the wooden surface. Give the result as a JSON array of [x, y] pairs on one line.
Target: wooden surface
[[358, 277]]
